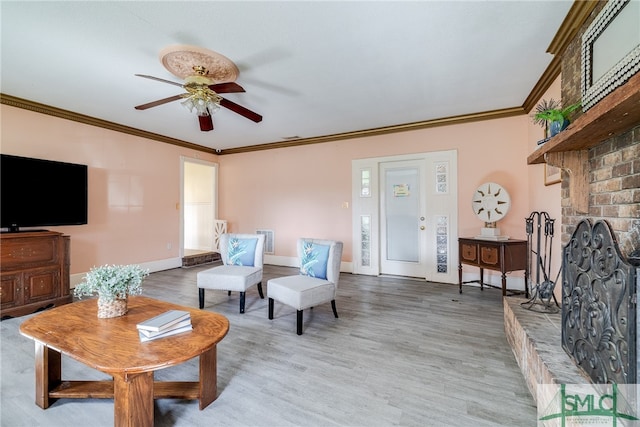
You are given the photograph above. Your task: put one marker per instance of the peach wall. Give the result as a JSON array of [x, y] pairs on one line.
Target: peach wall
[[134, 186], [299, 191], [293, 191]]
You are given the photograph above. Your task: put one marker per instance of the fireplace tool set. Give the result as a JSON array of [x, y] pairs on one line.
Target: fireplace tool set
[[539, 249]]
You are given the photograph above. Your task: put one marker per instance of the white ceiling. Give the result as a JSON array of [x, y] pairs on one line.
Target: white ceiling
[[310, 68]]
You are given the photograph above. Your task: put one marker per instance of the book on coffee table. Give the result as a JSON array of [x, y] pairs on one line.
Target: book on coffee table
[[151, 334], [163, 334], [164, 321]]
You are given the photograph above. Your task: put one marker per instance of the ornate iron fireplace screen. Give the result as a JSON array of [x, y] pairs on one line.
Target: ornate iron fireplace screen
[[599, 305]]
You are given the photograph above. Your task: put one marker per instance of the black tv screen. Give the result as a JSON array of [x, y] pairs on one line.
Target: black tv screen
[[39, 193]]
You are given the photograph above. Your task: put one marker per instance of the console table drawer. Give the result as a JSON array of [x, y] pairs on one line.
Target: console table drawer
[[489, 256], [469, 252]]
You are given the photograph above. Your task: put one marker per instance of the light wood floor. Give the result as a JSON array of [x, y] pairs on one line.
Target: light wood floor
[[403, 353]]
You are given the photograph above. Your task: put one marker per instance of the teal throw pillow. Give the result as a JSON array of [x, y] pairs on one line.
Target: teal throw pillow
[[314, 260], [241, 251]]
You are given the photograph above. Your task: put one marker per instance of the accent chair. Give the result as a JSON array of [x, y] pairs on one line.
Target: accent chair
[[242, 258], [317, 282]]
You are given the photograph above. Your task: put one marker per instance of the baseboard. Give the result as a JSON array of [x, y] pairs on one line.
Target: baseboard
[[152, 266], [168, 264], [284, 261]]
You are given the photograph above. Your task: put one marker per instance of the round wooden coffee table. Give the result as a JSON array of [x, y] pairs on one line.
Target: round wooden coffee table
[[113, 346]]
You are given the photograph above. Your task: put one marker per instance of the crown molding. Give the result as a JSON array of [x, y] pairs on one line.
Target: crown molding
[[92, 121], [25, 104], [546, 80], [466, 118], [576, 17]]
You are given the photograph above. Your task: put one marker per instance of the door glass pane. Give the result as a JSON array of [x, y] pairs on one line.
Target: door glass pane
[[402, 207], [365, 239], [442, 177], [365, 182], [442, 243]]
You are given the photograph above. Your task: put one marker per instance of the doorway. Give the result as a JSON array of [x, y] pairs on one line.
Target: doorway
[[199, 206], [405, 216]]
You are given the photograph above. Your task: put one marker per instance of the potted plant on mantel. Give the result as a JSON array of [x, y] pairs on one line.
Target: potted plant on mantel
[[553, 116], [113, 284]]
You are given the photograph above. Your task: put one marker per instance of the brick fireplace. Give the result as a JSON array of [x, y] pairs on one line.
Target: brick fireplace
[[614, 191], [599, 155], [609, 200]]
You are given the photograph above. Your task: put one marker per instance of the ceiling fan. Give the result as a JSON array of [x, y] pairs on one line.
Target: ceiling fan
[[206, 74]]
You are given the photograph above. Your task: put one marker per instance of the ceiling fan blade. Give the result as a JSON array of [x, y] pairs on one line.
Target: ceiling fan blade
[[226, 87], [159, 79], [206, 123], [241, 110], [158, 102]]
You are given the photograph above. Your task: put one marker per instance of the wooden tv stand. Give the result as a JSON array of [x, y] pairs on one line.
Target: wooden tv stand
[[34, 272]]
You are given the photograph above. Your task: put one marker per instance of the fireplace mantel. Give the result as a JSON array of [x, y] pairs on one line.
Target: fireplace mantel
[[615, 114]]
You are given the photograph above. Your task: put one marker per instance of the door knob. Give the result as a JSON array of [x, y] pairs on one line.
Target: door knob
[[422, 227]]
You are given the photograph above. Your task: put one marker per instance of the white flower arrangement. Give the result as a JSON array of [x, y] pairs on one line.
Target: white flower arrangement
[[112, 282]]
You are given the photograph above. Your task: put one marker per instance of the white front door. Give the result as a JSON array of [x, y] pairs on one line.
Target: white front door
[[405, 218], [402, 218]]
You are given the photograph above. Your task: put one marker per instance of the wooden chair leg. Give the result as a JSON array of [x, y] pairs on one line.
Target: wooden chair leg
[[201, 297], [242, 302], [333, 306], [260, 290], [271, 308], [299, 323]]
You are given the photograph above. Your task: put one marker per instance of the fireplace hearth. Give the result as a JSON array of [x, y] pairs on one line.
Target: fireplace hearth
[[599, 305]]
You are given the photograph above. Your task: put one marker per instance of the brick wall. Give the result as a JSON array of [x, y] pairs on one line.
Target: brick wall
[[614, 167], [614, 190]]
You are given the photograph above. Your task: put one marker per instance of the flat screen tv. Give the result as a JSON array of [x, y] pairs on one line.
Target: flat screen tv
[[40, 193]]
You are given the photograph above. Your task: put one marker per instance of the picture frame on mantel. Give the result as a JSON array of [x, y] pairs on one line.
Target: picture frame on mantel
[[610, 50], [551, 174]]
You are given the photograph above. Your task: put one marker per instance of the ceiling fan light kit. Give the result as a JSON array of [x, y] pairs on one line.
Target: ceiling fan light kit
[[206, 74], [202, 99]]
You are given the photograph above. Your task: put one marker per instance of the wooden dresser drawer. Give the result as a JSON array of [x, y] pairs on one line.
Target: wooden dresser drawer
[[43, 283], [10, 295], [21, 253]]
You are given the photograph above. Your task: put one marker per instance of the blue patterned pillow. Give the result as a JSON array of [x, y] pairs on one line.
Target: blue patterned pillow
[[314, 260], [241, 251]]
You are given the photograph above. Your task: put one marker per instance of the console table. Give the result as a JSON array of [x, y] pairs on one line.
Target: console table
[[499, 255], [113, 347]]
